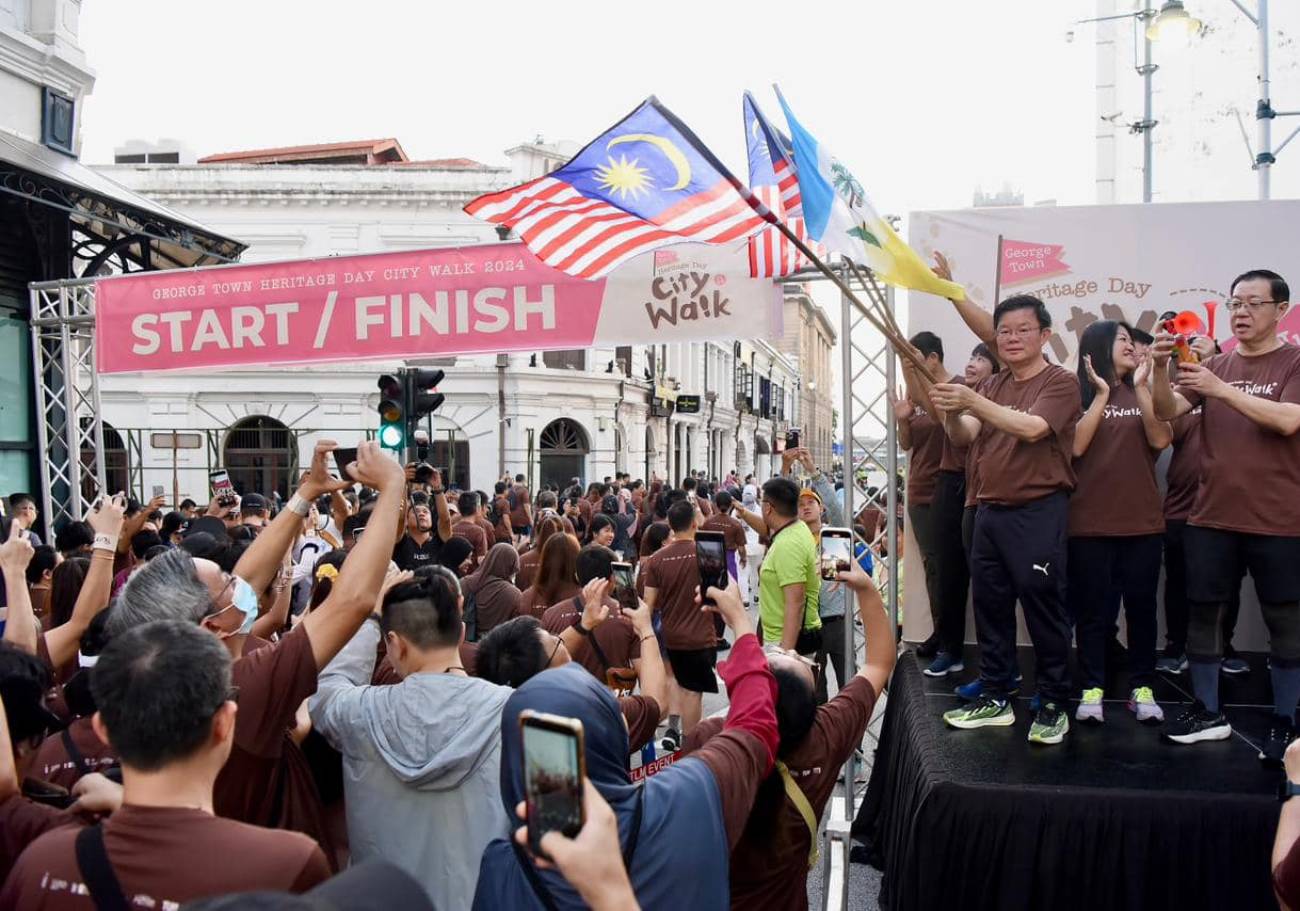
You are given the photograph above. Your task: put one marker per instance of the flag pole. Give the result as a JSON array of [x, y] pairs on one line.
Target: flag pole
[[997, 275], [863, 276], [898, 343]]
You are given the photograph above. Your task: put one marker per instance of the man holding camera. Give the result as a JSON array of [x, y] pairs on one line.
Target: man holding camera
[[422, 543]]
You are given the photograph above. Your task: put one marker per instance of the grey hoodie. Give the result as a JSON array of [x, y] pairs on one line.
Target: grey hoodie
[[421, 767]]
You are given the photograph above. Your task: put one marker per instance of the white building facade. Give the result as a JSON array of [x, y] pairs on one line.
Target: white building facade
[[551, 416]]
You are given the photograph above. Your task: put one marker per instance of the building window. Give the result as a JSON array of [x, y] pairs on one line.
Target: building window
[[623, 359], [451, 457], [569, 359], [58, 120], [563, 452], [261, 456]]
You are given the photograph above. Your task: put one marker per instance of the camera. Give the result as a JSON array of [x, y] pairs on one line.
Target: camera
[[423, 473]]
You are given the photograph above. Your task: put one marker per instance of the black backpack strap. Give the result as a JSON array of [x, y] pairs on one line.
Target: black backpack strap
[[629, 851], [591, 638], [74, 753], [97, 871]]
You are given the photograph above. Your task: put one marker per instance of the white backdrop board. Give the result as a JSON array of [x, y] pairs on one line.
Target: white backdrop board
[[1100, 262]]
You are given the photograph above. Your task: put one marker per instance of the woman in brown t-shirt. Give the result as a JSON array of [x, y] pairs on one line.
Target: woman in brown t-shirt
[[557, 577], [1116, 523]]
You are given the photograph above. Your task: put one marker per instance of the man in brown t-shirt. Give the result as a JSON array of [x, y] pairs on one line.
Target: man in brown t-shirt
[[671, 579], [770, 863], [521, 508], [733, 532], [1024, 419], [1244, 514], [467, 526], [267, 780], [922, 436], [173, 740]]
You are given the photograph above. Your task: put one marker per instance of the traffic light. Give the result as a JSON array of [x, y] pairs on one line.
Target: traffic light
[[422, 395], [392, 413]]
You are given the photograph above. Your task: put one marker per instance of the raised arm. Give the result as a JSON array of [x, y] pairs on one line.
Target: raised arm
[[274, 619], [954, 398], [1159, 433], [594, 612], [1096, 411], [15, 555], [265, 555], [903, 411], [352, 597], [1168, 404], [650, 671], [132, 526], [881, 649], [106, 519], [976, 318]]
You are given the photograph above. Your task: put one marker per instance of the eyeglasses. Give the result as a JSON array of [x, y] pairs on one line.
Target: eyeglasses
[[559, 643], [1235, 304], [1023, 332]]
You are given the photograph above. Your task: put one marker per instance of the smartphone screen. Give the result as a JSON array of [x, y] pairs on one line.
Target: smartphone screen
[[792, 438], [553, 774], [220, 480], [624, 585], [711, 557], [836, 552], [343, 458]]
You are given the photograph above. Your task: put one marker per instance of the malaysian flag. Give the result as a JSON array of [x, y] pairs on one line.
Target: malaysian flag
[[773, 180], [643, 184]]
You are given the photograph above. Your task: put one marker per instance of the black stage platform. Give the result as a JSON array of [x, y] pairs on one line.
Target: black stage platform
[[1113, 818]]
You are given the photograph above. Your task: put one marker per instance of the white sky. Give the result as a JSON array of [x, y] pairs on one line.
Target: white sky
[[923, 99]]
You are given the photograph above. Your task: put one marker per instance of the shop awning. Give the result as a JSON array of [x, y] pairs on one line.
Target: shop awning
[[106, 210]]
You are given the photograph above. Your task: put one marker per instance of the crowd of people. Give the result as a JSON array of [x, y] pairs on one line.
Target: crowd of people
[[323, 695]]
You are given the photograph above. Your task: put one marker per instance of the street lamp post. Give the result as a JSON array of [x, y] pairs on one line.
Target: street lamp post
[[1174, 18]]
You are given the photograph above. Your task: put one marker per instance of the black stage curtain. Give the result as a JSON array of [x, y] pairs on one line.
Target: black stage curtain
[[947, 840]]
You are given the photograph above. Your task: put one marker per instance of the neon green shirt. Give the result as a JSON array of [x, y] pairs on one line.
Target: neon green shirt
[[791, 558]]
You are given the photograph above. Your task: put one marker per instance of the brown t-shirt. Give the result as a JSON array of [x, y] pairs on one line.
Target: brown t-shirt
[[532, 604], [1250, 476], [529, 560], [267, 781], [519, 515], [673, 573], [924, 456], [1117, 493], [166, 855], [642, 716], [972, 473], [733, 532], [616, 638], [504, 533], [55, 764], [1183, 476], [1013, 472], [470, 530], [769, 869], [22, 821]]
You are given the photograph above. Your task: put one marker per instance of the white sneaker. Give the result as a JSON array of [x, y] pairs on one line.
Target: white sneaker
[[1090, 708], [1142, 702]]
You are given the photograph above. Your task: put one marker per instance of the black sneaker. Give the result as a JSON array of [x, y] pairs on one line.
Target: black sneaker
[[929, 648], [671, 741], [1198, 723], [1280, 734]]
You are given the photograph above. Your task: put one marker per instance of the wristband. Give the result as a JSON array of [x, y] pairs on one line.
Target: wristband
[[105, 542], [582, 630], [649, 637], [298, 506]]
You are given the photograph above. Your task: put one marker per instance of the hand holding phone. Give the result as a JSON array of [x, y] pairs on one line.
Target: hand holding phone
[[624, 586], [344, 459], [555, 771], [836, 552], [711, 558]]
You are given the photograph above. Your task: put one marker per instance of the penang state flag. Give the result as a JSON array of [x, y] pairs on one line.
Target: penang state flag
[[772, 179], [643, 184], [837, 213]]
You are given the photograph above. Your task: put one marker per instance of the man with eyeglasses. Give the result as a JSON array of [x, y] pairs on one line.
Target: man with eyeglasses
[[266, 781], [167, 706], [1244, 514], [1021, 422]]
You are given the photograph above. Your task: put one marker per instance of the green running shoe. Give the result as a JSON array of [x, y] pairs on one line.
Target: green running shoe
[[983, 712], [1050, 725]]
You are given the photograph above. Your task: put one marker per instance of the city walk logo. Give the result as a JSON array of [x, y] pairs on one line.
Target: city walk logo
[[684, 291]]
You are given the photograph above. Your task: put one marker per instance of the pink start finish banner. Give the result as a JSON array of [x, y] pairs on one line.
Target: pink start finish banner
[[447, 301]]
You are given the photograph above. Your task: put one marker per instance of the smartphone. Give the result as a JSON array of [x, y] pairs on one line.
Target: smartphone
[[554, 770], [220, 481], [792, 438], [711, 557], [4, 521], [836, 552], [343, 458], [624, 585]]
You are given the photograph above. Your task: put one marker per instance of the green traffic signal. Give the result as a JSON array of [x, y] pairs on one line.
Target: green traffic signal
[[392, 413]]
